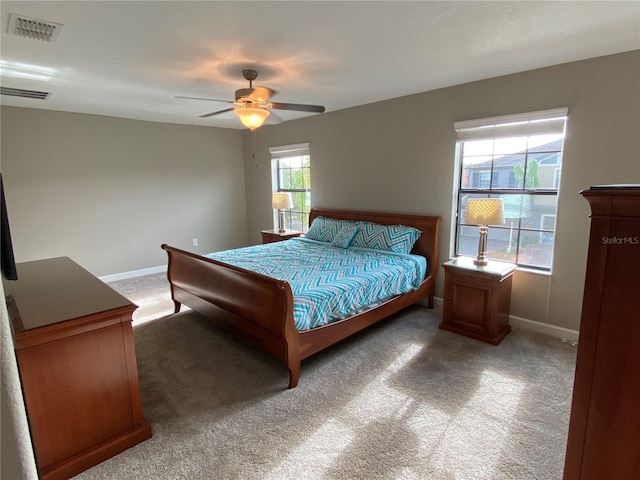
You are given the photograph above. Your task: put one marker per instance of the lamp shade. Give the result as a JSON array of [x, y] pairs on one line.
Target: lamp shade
[[485, 211], [252, 117], [281, 200]]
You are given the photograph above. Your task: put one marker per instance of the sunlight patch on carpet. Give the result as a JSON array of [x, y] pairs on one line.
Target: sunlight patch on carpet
[[408, 474], [378, 400], [323, 449], [313, 458], [469, 445], [152, 308]]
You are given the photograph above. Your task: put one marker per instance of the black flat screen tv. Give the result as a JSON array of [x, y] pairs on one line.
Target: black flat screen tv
[[9, 270]]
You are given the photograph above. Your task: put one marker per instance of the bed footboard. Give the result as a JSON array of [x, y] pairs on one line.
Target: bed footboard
[[262, 306]]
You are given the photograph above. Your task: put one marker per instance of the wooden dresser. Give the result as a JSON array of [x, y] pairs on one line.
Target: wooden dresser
[[604, 429], [74, 346]]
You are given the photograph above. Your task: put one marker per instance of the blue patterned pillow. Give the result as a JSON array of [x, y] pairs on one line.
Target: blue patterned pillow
[[393, 238], [345, 235], [324, 229]]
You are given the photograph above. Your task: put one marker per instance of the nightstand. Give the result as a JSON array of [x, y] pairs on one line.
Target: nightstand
[[477, 299], [270, 236]]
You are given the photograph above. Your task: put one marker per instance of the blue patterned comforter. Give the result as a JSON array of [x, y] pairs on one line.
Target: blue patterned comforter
[[330, 283]]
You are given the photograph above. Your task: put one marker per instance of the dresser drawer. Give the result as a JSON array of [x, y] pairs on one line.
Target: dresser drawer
[[471, 277]]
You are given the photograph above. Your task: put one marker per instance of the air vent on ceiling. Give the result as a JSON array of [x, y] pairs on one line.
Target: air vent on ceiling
[[33, 28], [19, 92]]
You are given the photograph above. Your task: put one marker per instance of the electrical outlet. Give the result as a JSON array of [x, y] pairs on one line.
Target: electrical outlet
[[195, 242]]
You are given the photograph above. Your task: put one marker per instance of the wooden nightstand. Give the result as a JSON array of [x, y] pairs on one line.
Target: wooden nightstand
[[270, 236], [477, 299]]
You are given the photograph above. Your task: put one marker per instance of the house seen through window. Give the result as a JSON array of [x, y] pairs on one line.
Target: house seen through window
[[291, 172], [517, 158]]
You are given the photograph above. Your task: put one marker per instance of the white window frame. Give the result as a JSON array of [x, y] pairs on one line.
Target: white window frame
[[518, 125], [282, 152]]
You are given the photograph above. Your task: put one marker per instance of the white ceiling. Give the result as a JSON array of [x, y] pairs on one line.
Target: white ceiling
[[130, 59]]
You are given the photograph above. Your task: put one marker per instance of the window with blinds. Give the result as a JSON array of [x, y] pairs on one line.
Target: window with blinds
[[291, 172], [517, 158]]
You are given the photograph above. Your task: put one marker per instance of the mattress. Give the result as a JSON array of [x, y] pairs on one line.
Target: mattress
[[330, 283]]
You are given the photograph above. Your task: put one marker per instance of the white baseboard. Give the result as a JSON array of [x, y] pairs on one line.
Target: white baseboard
[[554, 331], [132, 274], [532, 325]]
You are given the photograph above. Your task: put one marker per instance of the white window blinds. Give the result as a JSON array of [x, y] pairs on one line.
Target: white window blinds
[[297, 150], [519, 125]]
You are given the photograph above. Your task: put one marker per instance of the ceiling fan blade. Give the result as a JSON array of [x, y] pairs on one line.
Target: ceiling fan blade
[[216, 113], [261, 94], [201, 98], [297, 107]]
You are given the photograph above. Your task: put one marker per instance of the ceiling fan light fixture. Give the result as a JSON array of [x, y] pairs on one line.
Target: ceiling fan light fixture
[[252, 117], [252, 104]]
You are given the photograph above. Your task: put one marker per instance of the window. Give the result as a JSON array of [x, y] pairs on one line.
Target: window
[[517, 158], [291, 172]]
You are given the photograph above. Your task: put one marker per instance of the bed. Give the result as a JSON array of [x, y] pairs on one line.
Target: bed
[[260, 308]]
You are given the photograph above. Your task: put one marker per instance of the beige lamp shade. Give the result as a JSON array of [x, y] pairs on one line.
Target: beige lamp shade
[[485, 211], [251, 117], [281, 200]]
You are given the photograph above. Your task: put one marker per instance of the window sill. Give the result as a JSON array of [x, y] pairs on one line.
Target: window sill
[[535, 271], [544, 273]]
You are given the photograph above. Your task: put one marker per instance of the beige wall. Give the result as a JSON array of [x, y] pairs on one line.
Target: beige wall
[[398, 155], [107, 192]]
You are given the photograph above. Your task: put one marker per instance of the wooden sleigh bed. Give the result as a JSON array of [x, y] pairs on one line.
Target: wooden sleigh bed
[[262, 306]]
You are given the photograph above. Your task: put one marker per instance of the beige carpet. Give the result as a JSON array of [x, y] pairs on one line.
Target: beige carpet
[[402, 400]]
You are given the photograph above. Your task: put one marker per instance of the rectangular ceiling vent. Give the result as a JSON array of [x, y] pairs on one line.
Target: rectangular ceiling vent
[[19, 92], [33, 28]]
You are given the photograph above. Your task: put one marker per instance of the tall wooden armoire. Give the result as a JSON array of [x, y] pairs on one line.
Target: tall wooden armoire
[[604, 429]]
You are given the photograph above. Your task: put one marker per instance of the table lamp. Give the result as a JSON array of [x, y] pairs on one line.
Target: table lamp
[[484, 212], [281, 201]]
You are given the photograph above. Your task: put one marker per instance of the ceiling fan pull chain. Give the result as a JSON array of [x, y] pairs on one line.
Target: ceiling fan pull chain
[[253, 144]]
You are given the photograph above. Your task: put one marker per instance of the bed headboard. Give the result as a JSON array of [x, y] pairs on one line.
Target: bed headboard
[[426, 245]]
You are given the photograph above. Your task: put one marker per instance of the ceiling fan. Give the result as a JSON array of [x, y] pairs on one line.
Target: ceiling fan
[[252, 104]]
